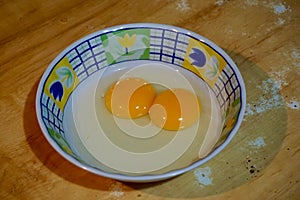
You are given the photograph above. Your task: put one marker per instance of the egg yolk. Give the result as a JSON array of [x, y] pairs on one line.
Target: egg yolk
[[130, 98], [175, 109]]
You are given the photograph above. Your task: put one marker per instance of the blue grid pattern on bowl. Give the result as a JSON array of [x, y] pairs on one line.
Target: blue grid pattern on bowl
[[87, 57], [166, 45], [227, 88], [52, 115]]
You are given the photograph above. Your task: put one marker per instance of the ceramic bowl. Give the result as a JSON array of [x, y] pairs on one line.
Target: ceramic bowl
[[75, 74]]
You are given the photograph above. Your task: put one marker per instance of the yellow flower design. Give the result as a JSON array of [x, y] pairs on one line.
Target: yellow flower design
[[230, 123], [67, 149], [127, 41]]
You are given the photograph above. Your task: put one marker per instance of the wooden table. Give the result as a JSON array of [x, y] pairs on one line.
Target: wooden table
[[262, 37]]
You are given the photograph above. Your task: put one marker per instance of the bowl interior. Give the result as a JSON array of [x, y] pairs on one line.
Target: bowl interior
[[135, 43]]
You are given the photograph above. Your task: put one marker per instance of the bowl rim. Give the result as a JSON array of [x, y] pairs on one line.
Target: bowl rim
[[150, 177]]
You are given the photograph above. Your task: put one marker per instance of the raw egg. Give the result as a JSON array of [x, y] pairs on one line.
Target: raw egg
[[130, 98], [175, 109]]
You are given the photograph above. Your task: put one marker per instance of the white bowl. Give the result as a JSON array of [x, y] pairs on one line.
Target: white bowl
[[76, 73]]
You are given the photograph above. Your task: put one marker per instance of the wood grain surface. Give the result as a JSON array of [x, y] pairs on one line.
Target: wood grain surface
[[262, 37]]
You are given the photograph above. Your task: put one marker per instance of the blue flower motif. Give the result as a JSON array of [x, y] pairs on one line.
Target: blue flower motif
[[57, 90], [198, 57]]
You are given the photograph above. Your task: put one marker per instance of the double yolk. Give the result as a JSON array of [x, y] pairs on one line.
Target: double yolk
[[172, 109]]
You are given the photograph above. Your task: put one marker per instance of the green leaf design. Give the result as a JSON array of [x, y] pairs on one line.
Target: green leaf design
[[146, 41], [60, 141], [236, 102], [213, 68], [211, 74], [66, 76], [104, 39], [110, 58], [146, 54]]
